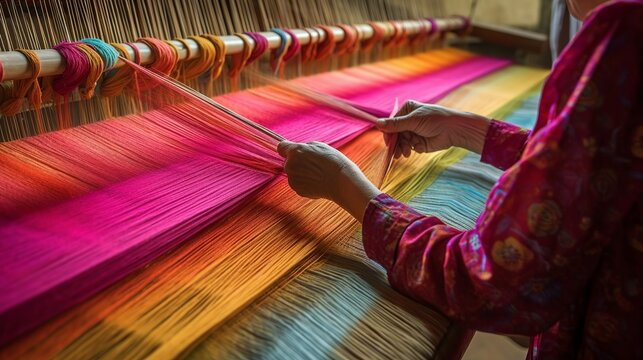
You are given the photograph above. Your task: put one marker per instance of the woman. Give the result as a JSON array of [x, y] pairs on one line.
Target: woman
[[557, 254]]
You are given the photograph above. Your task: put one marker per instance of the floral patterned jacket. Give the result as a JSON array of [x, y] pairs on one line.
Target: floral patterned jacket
[[557, 254]]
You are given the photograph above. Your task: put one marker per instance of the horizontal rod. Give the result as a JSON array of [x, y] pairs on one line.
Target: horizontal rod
[[16, 66], [510, 37]]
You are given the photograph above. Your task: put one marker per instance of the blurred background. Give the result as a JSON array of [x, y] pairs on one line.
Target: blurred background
[[531, 16]]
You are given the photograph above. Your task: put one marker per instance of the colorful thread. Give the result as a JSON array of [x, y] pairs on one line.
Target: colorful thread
[[219, 55], [106, 51]]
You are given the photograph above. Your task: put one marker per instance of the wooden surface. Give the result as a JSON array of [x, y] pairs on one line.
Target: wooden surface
[[510, 37]]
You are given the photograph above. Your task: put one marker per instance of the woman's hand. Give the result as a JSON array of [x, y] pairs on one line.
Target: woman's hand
[[428, 128], [317, 170]]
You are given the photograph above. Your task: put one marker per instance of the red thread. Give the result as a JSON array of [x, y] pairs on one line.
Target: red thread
[[295, 45], [350, 42], [325, 48], [309, 51], [165, 56], [378, 35]]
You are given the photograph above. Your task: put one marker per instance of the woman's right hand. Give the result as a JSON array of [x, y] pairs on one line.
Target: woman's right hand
[[428, 128]]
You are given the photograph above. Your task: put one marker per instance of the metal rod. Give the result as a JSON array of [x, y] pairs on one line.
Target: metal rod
[[16, 66]]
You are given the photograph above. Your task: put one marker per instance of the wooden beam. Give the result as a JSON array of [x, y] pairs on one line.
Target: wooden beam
[[510, 37]]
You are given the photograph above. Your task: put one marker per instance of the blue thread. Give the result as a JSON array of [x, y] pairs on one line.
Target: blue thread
[[107, 52], [284, 39]]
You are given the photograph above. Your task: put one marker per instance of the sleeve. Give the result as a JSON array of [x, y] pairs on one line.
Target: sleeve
[[545, 223], [511, 273], [503, 144]]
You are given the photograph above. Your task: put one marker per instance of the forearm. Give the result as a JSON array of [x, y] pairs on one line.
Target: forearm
[[354, 191], [471, 132]]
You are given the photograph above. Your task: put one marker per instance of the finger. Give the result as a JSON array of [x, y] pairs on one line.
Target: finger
[[406, 150], [396, 124], [288, 167], [401, 142], [398, 151], [408, 107], [286, 147], [415, 140], [420, 148]]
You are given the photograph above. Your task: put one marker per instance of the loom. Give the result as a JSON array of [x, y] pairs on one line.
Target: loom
[[142, 208]]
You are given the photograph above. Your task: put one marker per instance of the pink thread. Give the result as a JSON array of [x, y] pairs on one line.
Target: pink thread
[[295, 45], [77, 68], [434, 26], [466, 27], [137, 53], [261, 45]]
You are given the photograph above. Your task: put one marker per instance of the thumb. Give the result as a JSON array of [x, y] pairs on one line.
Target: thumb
[[285, 147], [396, 124]]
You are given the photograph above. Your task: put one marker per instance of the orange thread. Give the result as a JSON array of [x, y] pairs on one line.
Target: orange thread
[[115, 81], [398, 36], [378, 35], [165, 55], [309, 51], [194, 67], [219, 54], [325, 48], [96, 67], [29, 88], [177, 69], [350, 42], [240, 60]]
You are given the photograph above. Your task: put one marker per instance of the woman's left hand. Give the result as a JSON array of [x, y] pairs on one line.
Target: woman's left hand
[[317, 170]]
